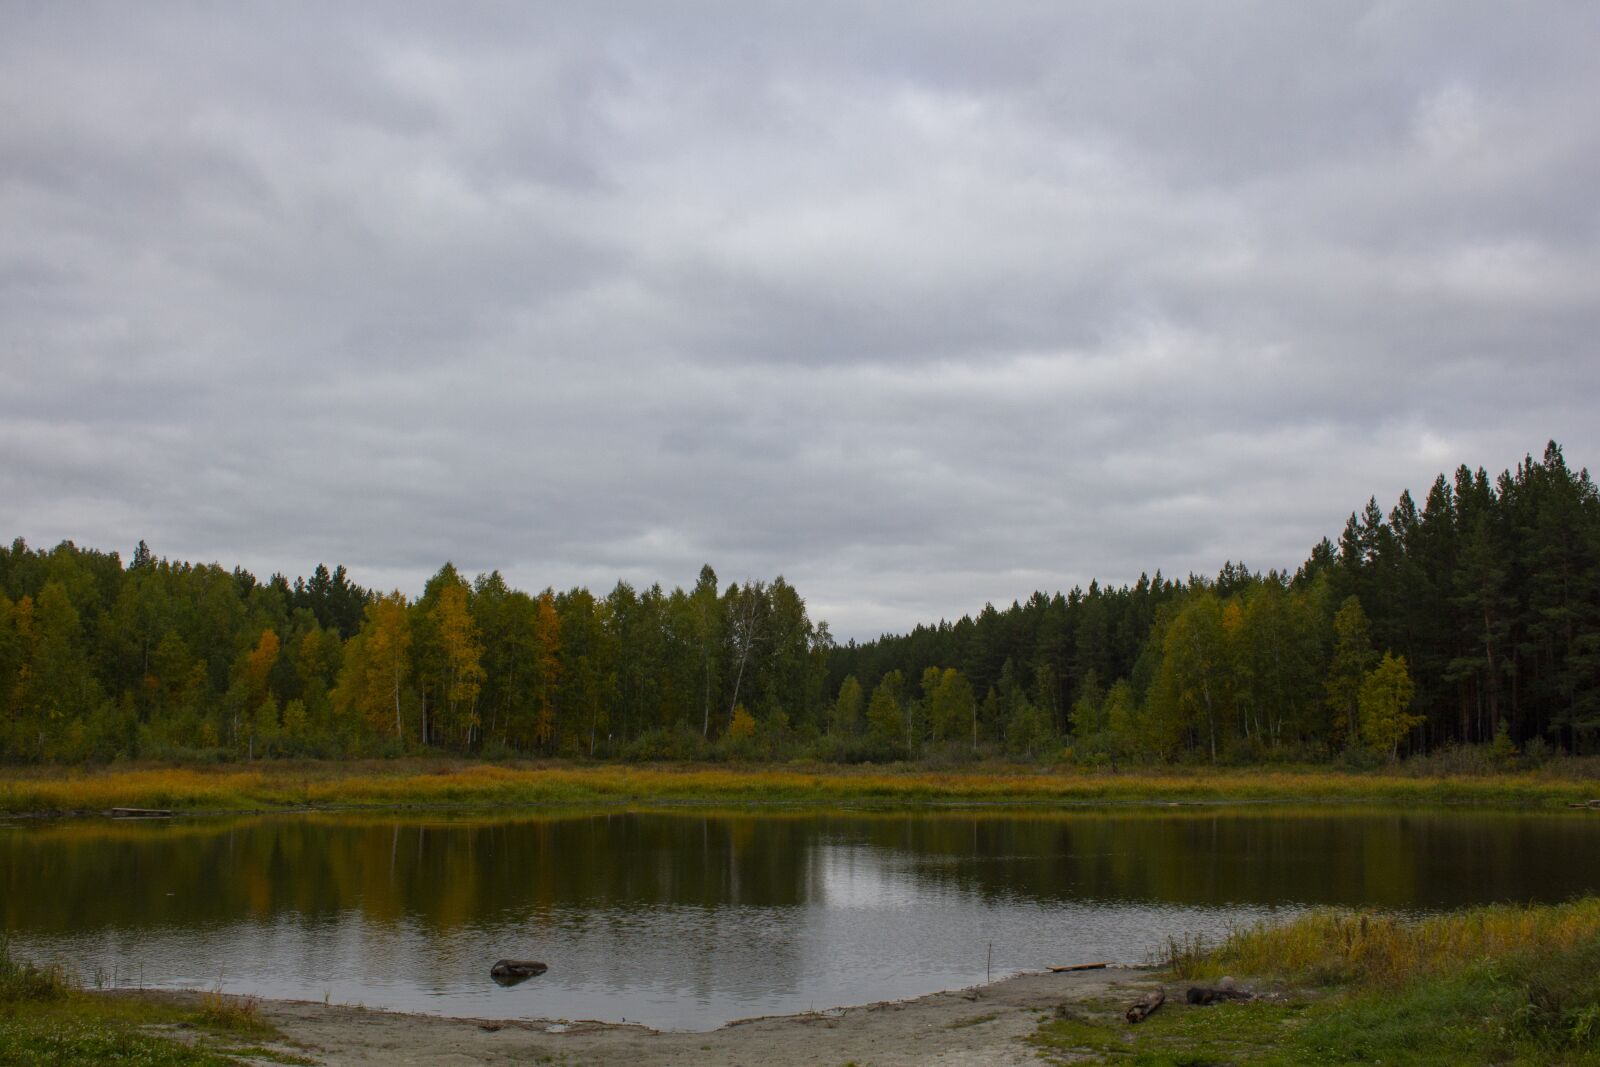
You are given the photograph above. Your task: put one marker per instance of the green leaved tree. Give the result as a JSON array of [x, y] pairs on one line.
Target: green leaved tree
[[1384, 700]]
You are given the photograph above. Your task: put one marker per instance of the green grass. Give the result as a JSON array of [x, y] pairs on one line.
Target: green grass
[[46, 1020], [447, 783], [1498, 985], [71, 1042]]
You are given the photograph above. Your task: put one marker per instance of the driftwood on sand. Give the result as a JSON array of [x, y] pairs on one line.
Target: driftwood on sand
[[1077, 967], [1147, 1006]]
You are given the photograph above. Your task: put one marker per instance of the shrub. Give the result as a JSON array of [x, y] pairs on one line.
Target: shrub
[[664, 744], [1453, 760], [1536, 752], [496, 751]]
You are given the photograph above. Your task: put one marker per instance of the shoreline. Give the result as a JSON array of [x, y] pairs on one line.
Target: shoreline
[[985, 1024], [713, 804], [1331, 986]]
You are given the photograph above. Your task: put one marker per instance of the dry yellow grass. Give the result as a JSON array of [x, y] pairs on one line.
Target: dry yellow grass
[[1386, 950], [237, 1014], [455, 783]]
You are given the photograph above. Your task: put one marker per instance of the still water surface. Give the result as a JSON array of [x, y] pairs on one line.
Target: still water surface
[[686, 921]]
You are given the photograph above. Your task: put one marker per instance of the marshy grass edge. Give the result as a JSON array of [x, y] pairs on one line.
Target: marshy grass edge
[[454, 783]]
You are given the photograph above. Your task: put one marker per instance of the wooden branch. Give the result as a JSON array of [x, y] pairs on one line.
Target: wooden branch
[[1077, 967], [1146, 1007]]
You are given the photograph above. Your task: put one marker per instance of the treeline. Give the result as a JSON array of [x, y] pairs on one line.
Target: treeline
[[1474, 618], [167, 659]]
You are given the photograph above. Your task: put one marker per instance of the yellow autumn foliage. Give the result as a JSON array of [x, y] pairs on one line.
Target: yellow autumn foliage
[[742, 725]]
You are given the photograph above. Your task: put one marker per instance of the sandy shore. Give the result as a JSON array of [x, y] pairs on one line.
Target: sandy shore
[[984, 1025]]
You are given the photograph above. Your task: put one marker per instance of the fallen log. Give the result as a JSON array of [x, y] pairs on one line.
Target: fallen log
[[1077, 967], [140, 813], [1216, 994], [1146, 1007], [510, 972]]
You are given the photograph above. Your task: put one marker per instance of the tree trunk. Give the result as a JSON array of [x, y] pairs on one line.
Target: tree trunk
[[395, 674], [705, 721]]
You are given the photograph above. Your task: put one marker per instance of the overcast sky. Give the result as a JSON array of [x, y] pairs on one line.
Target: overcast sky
[[920, 305]]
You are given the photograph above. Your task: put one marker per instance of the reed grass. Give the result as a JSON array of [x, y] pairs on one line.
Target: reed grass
[[23, 981], [1367, 948], [460, 784], [234, 1014]]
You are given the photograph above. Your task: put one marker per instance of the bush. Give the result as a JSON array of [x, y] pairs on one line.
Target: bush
[[1361, 760], [496, 751], [1460, 760], [665, 744], [1537, 752], [833, 748], [947, 755], [741, 748]]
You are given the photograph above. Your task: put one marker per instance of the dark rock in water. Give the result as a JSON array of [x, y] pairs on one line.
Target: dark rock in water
[[510, 972]]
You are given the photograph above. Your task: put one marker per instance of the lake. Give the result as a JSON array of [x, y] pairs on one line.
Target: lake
[[688, 920]]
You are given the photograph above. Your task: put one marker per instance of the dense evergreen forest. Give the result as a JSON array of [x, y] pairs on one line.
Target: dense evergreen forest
[[1474, 617]]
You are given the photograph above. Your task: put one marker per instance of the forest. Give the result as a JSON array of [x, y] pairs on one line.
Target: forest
[[1470, 619]]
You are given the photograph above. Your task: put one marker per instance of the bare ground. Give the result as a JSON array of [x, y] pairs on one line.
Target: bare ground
[[980, 1026]]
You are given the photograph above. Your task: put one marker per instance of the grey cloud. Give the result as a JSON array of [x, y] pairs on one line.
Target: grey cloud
[[918, 306]]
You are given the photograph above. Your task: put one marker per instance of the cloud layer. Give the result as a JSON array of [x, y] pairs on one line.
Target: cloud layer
[[918, 306]]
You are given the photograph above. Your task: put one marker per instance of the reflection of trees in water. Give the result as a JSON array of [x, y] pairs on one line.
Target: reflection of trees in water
[[595, 876], [1389, 859], [438, 874]]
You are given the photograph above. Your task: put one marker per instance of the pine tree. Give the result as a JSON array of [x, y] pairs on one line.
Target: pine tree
[[885, 714]]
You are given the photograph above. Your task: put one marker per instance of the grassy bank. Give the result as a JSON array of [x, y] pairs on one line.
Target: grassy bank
[[47, 1020], [460, 784], [1492, 985]]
